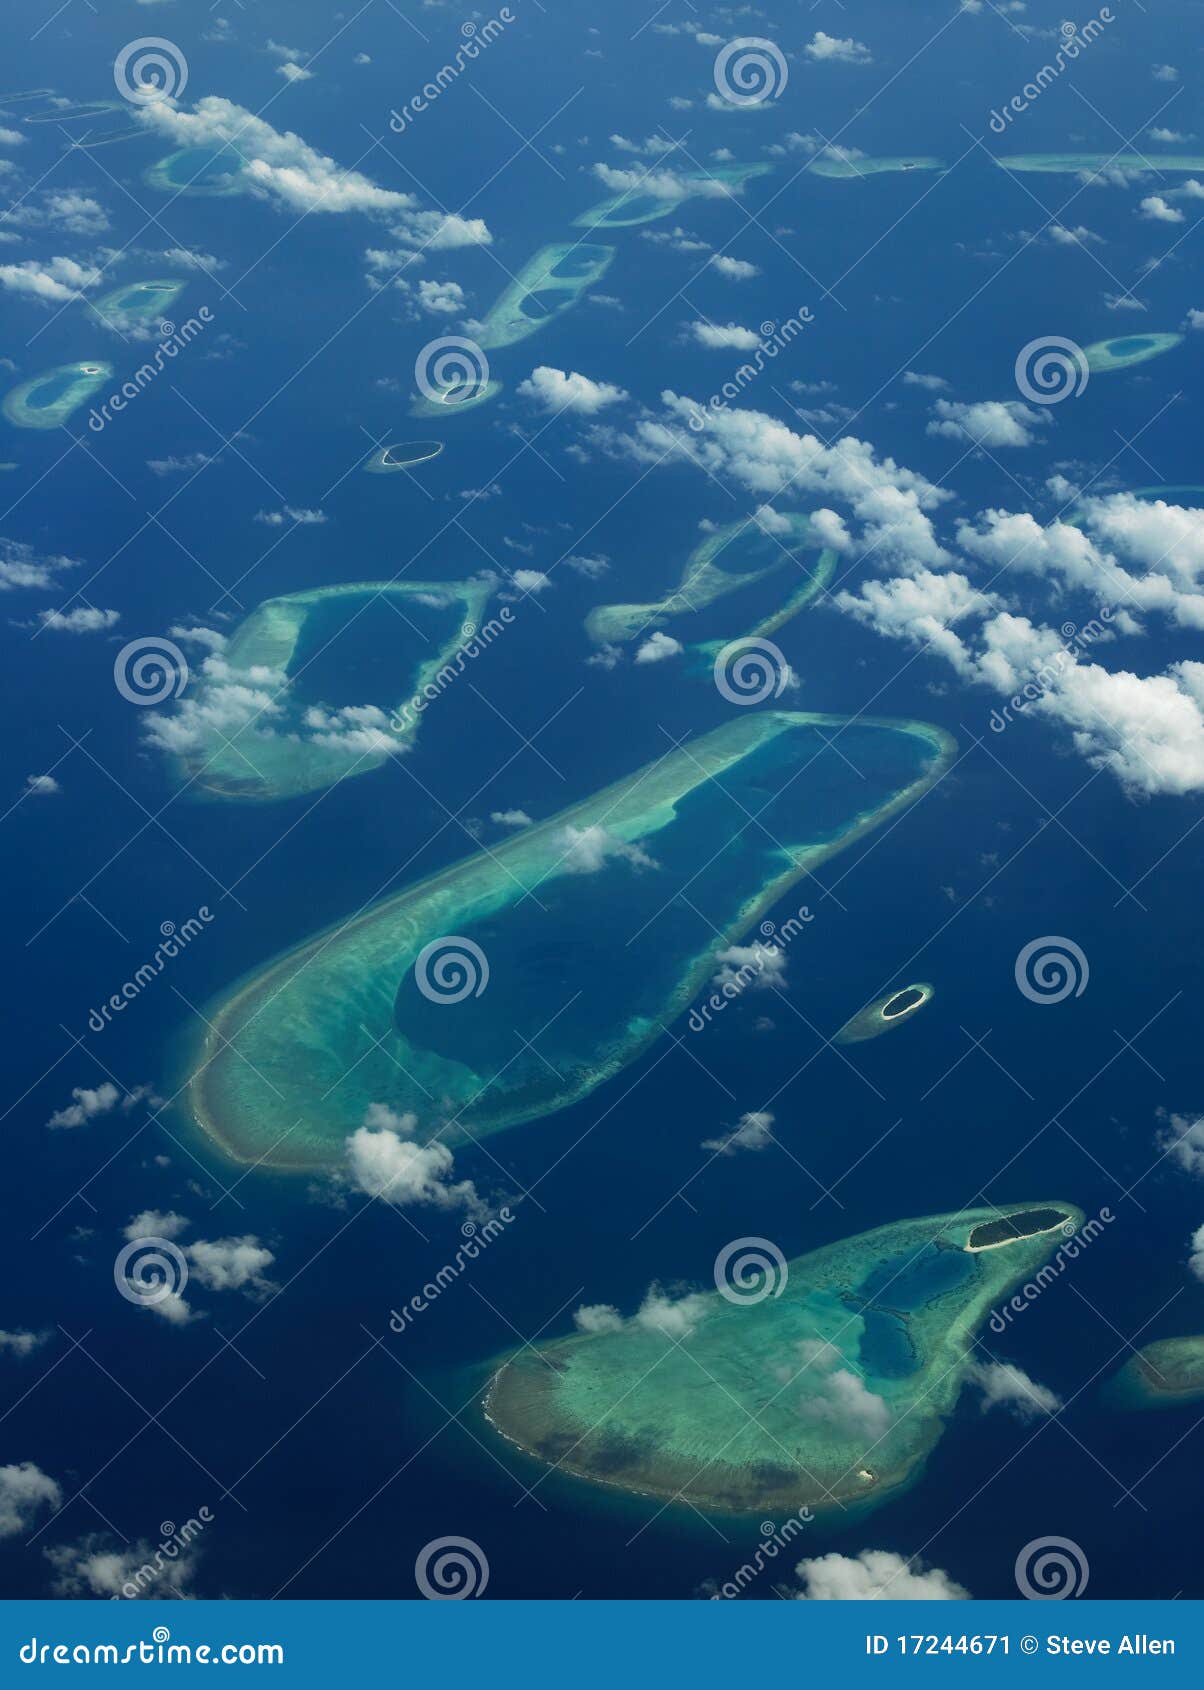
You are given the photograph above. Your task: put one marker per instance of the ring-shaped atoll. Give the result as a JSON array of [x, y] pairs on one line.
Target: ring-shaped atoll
[[1124, 350], [48, 399], [750, 1408], [637, 204], [548, 285], [404, 454], [885, 1013], [360, 1014]]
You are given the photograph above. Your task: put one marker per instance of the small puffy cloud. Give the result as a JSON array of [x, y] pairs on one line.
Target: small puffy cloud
[[155, 1223], [1181, 1138], [188, 258], [759, 966], [1165, 73], [1005, 1386], [510, 818], [84, 619], [41, 786], [586, 850], [722, 337], [843, 1400], [230, 1264], [440, 299], [657, 647], [94, 1568], [190, 462], [384, 1163], [592, 567], [21, 567], [560, 390], [531, 580], [89, 1102], [21, 1343], [598, 1317], [292, 72], [879, 1574], [1195, 1261], [672, 1317], [362, 729], [1156, 210], [663, 184], [24, 1491], [989, 422], [55, 281], [735, 269], [751, 1132], [298, 514], [833, 49], [66, 209], [915, 378]]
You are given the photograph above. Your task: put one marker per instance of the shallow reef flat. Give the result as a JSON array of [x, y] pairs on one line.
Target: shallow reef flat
[[826, 165], [1065, 164], [636, 205], [1126, 349], [272, 759], [379, 1010], [733, 558], [47, 400], [885, 1013], [548, 285], [1162, 1375], [750, 1410], [214, 171]]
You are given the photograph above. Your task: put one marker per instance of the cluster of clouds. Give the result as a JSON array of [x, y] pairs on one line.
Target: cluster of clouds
[[673, 1317], [875, 1574], [385, 1160], [216, 1264], [90, 1102], [966, 598]]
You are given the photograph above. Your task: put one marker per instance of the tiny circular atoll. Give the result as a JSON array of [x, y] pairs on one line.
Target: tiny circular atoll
[[402, 455], [885, 1012]]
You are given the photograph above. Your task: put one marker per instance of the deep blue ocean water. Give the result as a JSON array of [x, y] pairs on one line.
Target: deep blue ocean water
[[328, 1449]]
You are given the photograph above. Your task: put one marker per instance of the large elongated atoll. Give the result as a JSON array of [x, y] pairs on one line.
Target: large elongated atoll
[[491, 993], [305, 662], [1067, 164], [818, 1383], [842, 166], [546, 286], [731, 560], [47, 400], [1167, 1374], [640, 204], [136, 305]]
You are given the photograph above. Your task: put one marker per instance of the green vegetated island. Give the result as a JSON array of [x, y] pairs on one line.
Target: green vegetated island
[[750, 1410], [356, 1015], [832, 164], [1126, 349], [547, 286], [137, 304], [638, 205], [1162, 1375], [325, 649], [884, 1013], [731, 560], [48, 399]]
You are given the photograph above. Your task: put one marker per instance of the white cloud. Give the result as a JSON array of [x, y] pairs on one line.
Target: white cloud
[[662, 184], [672, 1317], [751, 1132], [24, 1491], [1182, 1139], [598, 1317], [1003, 1385], [441, 299], [759, 966], [835, 49], [510, 818], [875, 1573], [231, 1264], [84, 619], [1155, 209], [1165, 73], [41, 786], [588, 849], [93, 1568], [914, 378], [843, 1400], [1195, 1261], [362, 729], [558, 390], [385, 1164], [22, 1343], [155, 1223], [298, 514], [531, 580], [294, 72], [989, 422], [657, 647], [720, 337], [189, 259], [55, 281], [735, 269], [100, 1100], [21, 567]]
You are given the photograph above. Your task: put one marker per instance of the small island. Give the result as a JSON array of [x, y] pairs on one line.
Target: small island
[[1006, 1229], [1166, 1374], [1124, 350], [884, 1013], [748, 1410], [403, 455]]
